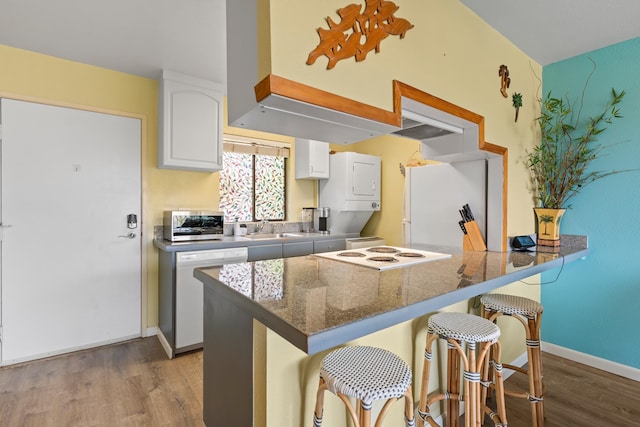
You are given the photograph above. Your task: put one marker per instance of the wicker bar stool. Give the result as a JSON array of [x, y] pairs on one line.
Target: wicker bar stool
[[478, 335], [529, 313], [366, 374]]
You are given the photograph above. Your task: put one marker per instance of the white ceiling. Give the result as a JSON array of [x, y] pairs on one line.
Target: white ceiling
[[134, 36], [143, 36], [552, 30]]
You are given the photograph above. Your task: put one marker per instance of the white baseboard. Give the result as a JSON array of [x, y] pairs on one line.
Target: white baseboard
[[67, 350], [165, 344], [151, 331], [593, 361]]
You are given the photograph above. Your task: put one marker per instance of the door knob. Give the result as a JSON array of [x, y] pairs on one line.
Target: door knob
[[130, 235]]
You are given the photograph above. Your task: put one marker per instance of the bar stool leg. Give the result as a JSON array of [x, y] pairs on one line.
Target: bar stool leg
[[501, 416], [469, 394], [409, 417], [470, 382], [534, 369], [486, 373], [469, 339], [365, 414], [319, 409], [477, 366], [424, 414], [409, 413], [453, 386]]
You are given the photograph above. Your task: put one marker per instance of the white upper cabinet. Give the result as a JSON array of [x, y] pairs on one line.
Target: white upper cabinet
[[190, 123], [312, 159]]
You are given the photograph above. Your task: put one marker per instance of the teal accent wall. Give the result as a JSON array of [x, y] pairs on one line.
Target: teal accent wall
[[594, 306]]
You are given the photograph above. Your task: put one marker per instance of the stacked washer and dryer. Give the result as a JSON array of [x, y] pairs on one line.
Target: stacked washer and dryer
[[352, 191]]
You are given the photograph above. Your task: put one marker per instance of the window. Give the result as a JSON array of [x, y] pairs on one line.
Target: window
[[252, 180]]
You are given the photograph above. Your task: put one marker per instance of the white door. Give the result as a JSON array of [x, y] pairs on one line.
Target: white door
[[70, 280]]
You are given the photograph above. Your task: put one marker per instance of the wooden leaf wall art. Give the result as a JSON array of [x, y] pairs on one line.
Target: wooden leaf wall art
[[358, 32]]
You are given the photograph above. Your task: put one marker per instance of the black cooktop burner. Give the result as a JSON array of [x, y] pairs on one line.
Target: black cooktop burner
[[410, 255], [383, 259], [383, 250], [352, 254]]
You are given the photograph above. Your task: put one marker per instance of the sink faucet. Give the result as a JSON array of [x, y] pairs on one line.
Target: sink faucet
[[260, 226]]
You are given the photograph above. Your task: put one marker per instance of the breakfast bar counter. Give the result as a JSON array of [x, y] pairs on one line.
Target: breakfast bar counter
[[316, 303]]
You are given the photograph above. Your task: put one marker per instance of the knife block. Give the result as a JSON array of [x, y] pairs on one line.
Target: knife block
[[473, 240]]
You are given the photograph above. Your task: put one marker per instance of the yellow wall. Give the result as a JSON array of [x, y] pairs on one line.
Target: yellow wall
[[31, 76], [452, 54]]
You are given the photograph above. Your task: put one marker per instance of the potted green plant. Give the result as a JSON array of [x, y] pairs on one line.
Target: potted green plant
[[560, 163]]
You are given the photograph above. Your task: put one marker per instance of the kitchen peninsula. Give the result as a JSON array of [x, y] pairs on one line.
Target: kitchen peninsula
[[316, 303]]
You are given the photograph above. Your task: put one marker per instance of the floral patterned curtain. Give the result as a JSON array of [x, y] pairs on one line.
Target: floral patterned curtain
[[249, 180]]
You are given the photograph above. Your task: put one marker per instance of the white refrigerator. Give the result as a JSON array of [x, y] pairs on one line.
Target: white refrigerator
[[433, 196]]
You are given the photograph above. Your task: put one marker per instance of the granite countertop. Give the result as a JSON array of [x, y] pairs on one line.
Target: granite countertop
[[318, 303]]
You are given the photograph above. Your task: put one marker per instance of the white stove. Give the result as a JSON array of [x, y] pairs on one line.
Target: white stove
[[383, 257]]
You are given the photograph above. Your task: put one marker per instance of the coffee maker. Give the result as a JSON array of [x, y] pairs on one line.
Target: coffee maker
[[320, 220], [307, 219]]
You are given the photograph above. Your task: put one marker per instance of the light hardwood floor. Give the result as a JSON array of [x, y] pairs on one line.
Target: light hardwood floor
[[127, 384], [577, 395], [134, 384]]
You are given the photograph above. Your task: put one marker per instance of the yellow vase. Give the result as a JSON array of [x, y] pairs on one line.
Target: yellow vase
[[548, 226]]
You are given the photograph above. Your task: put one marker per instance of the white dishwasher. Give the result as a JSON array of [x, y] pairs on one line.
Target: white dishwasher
[[190, 294]]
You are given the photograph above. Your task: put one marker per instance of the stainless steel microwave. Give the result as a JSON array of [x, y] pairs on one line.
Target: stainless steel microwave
[[181, 226]]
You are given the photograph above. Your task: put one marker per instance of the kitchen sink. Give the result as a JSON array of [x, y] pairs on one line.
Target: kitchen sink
[[259, 236]]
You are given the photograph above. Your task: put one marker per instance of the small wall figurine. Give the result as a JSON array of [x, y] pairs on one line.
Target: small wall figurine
[[359, 31], [505, 81], [517, 103]]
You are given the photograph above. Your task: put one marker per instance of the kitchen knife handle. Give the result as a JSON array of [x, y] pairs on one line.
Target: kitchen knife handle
[[462, 227], [468, 212]]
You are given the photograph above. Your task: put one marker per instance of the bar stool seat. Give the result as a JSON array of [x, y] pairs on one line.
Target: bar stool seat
[[366, 374], [529, 313], [511, 304], [463, 332]]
